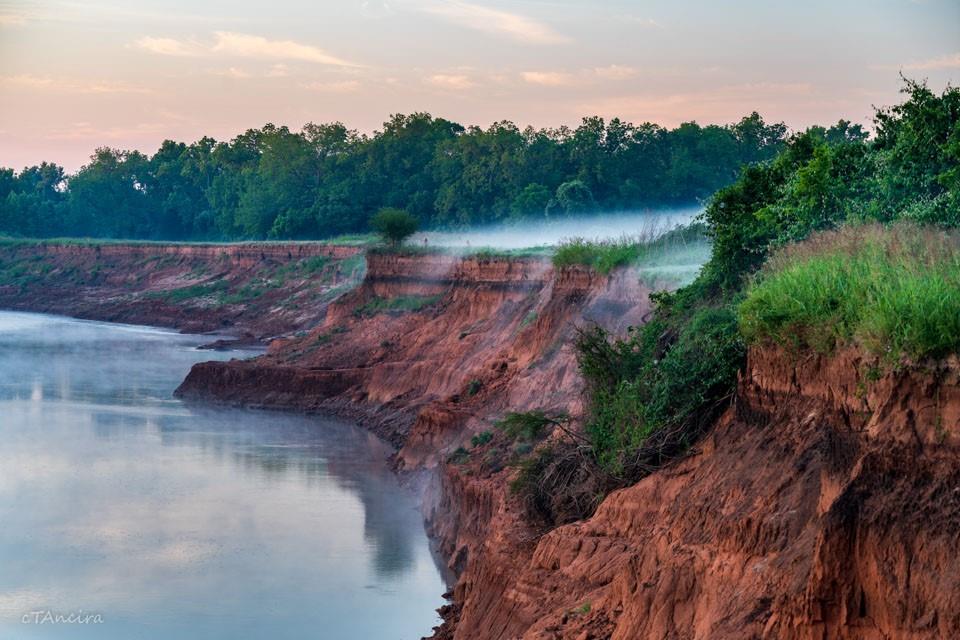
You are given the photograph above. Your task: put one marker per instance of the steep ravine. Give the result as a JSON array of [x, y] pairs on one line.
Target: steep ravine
[[825, 503]]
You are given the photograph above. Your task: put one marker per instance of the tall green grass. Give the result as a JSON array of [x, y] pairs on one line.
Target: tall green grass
[[893, 291], [651, 245]]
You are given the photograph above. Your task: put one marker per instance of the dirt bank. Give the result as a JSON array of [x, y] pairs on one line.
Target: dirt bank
[[249, 290], [430, 348], [825, 503]]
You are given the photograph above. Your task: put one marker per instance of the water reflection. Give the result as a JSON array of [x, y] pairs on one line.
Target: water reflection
[[189, 523]]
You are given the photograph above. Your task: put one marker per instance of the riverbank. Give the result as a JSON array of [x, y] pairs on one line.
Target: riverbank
[[250, 291], [800, 515]]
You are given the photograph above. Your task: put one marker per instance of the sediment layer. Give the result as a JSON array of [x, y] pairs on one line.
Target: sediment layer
[[250, 290]]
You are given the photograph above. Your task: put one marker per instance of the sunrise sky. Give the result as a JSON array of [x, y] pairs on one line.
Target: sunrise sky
[[77, 75]]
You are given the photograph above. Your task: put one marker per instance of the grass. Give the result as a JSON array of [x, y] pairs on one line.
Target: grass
[[194, 291], [650, 247], [481, 439], [894, 292], [343, 240], [399, 304], [494, 253]]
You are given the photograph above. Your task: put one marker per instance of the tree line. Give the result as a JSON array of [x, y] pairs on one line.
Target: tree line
[[327, 180]]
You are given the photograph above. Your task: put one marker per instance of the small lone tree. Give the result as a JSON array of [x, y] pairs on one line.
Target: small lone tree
[[393, 225]]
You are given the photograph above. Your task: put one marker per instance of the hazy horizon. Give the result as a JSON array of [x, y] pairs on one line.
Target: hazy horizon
[[76, 76]]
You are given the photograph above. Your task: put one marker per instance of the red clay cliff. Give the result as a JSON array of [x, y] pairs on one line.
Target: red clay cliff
[[824, 503]]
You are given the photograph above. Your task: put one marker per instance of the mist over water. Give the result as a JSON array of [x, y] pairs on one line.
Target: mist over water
[[545, 233], [172, 521]]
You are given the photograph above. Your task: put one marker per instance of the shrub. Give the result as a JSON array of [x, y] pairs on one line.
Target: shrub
[[653, 392], [481, 439], [558, 484], [398, 304], [393, 225], [894, 292], [460, 456], [528, 425]]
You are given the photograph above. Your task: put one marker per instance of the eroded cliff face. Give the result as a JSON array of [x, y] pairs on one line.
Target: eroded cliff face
[[825, 504], [253, 290], [430, 348]]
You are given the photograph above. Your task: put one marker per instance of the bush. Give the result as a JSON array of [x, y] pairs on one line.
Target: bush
[[528, 425], [393, 225], [894, 292], [653, 393], [398, 304], [481, 439]]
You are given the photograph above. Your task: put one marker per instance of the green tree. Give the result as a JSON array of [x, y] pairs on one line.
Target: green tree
[[572, 197], [393, 225]]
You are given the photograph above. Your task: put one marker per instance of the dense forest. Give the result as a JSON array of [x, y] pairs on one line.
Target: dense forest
[[328, 180]]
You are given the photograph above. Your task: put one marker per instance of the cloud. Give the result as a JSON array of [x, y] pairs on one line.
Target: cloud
[[28, 81], [233, 72], [376, 8], [548, 78], [720, 104], [446, 81], [87, 131], [342, 86], [242, 45], [11, 19], [951, 61], [108, 87], [169, 47], [495, 21], [615, 72], [646, 23]]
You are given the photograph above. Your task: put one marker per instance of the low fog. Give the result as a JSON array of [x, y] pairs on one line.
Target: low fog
[[599, 226]]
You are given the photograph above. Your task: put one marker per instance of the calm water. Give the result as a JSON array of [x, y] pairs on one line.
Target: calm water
[[177, 522]]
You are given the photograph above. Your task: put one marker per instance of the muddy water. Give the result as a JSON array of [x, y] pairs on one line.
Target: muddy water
[[126, 514]]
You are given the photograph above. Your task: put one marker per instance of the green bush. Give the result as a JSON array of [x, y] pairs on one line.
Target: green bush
[[460, 456], [393, 225], [398, 304], [481, 439], [195, 291], [894, 292], [528, 425], [655, 391]]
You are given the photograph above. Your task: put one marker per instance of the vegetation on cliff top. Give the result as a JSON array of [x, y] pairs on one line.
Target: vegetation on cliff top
[[894, 293], [393, 225], [892, 290], [649, 246]]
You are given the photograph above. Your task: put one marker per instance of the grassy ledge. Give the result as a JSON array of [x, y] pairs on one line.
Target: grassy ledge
[[894, 292], [649, 247]]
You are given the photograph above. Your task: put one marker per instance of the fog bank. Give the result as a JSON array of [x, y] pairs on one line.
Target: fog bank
[[526, 234]]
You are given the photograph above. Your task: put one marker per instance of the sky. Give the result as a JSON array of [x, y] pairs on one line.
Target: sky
[[126, 74]]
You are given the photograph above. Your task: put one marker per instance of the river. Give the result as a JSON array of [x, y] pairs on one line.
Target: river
[[125, 513]]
